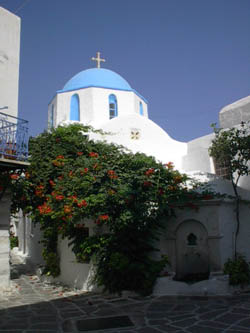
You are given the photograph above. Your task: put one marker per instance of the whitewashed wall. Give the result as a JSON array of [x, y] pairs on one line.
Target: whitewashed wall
[[9, 60], [94, 105]]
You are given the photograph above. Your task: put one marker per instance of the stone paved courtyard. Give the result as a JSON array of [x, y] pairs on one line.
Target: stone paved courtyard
[[32, 306]]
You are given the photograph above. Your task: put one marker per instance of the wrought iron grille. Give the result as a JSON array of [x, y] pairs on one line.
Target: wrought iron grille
[[13, 137]]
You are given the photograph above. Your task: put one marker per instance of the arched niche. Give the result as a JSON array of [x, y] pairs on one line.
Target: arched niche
[[192, 255]]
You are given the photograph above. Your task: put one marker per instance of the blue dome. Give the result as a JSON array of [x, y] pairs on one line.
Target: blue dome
[[97, 77]]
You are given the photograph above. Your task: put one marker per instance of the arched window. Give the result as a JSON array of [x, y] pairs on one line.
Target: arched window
[[141, 109], [74, 108], [113, 111]]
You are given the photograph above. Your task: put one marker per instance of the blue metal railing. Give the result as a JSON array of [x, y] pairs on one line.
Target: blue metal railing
[[13, 137]]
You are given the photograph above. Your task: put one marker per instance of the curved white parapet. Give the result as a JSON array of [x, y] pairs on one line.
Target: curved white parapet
[[140, 134]]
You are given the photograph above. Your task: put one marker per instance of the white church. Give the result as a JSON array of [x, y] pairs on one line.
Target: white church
[[103, 99]]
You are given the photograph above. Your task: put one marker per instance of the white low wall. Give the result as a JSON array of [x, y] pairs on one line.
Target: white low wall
[[73, 274], [213, 286]]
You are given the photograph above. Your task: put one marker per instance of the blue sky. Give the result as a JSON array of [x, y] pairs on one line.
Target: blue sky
[[188, 58]]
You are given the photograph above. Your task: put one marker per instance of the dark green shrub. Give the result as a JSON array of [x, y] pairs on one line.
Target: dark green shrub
[[238, 271]]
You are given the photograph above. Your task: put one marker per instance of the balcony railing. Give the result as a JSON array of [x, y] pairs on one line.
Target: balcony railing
[[13, 137]]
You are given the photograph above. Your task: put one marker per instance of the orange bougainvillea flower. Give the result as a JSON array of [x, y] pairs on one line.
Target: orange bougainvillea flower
[[59, 197], [39, 193], [14, 176], [79, 153], [147, 184], [67, 209], [27, 175], [52, 183], [60, 157], [169, 165], [71, 173], [39, 190], [44, 209], [112, 174], [103, 217], [149, 172], [73, 197], [60, 177], [86, 170], [82, 203], [92, 154]]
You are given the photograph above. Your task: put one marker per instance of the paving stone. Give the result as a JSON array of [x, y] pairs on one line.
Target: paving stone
[[231, 318], [202, 329], [154, 315], [241, 310], [214, 324], [239, 328], [157, 322], [245, 323], [148, 330], [11, 331], [185, 322], [44, 326], [212, 314], [176, 317], [168, 328]]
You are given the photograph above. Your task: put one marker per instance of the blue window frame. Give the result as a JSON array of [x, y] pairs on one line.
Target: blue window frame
[[74, 108], [113, 110], [141, 109]]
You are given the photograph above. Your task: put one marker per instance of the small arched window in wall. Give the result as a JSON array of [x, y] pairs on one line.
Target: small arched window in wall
[[113, 110], [141, 109], [74, 108], [191, 239]]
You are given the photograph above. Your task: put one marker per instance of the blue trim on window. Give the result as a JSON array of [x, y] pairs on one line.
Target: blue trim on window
[[74, 108], [113, 109], [141, 109]]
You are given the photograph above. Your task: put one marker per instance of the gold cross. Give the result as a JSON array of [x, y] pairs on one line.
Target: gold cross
[[98, 59]]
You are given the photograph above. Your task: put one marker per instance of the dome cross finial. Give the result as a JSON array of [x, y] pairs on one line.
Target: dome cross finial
[[98, 59]]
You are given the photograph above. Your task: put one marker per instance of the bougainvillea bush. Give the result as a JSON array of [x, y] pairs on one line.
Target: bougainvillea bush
[[72, 178]]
